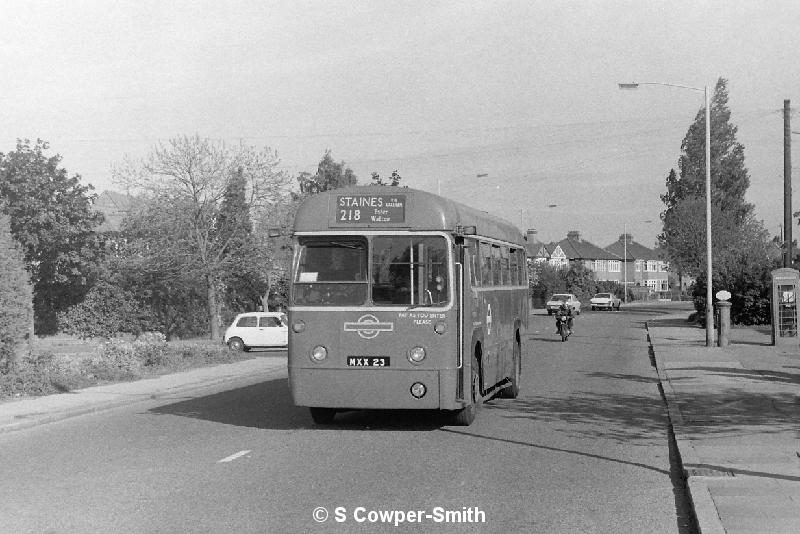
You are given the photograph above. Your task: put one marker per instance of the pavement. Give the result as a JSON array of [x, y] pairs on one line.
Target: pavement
[[735, 413]]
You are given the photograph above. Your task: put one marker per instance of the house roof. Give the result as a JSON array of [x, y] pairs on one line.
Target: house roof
[[636, 251], [533, 247], [115, 206], [576, 248]]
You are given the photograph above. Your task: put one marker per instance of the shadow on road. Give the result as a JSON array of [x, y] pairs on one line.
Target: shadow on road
[[614, 416], [268, 405]]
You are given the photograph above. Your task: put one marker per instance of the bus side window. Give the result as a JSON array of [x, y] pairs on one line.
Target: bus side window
[[475, 266], [497, 270], [512, 271], [523, 267], [486, 264], [504, 266]]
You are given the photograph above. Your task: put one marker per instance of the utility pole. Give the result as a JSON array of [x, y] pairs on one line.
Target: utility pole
[[787, 186]]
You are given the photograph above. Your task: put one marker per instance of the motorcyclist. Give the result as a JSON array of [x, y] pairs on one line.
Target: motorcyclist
[[564, 310]]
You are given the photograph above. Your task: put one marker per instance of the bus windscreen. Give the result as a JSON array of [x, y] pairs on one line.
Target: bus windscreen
[[405, 271], [409, 270], [331, 273]]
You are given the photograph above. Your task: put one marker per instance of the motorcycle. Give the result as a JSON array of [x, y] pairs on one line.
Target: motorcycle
[[563, 327]]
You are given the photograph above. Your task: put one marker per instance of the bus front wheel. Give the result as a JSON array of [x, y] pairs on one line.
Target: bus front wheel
[[322, 416], [465, 416]]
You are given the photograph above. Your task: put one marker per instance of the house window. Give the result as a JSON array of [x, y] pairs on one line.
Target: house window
[[638, 266], [652, 266], [614, 266], [599, 265]]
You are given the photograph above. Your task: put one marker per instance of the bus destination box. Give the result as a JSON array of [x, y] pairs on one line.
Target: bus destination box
[[365, 210]]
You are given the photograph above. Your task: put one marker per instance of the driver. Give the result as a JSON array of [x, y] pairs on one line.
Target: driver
[[338, 270]]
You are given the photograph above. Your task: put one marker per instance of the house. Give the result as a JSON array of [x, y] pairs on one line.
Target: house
[[606, 265], [535, 249], [644, 267], [115, 206]]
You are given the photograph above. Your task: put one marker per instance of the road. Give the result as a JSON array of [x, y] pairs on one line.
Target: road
[[585, 448]]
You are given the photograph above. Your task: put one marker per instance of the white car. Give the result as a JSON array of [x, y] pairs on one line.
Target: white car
[[257, 330], [555, 302], [605, 301]]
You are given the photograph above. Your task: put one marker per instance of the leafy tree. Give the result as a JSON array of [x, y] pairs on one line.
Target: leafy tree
[[245, 280], [743, 270], [183, 232], [684, 226], [544, 280], [547, 279], [684, 235], [277, 249], [16, 301], [394, 180], [729, 177], [580, 280], [52, 218], [329, 175]]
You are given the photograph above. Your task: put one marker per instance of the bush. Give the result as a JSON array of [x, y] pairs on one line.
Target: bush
[[547, 279], [106, 311], [16, 301], [115, 360], [41, 374]]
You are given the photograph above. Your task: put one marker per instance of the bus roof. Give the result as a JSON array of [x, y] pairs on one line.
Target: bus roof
[[396, 208]]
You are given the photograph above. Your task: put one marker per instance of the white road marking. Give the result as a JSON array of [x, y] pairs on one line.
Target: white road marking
[[232, 457]]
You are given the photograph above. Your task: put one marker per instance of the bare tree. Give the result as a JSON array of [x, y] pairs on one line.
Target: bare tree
[[187, 178]]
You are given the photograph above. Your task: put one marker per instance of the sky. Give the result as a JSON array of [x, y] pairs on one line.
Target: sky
[[510, 107]]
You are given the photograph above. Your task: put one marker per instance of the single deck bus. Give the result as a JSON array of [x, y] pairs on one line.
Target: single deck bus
[[402, 299]]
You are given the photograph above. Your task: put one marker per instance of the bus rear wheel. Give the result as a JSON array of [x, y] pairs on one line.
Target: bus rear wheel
[[322, 416], [512, 391], [465, 416]]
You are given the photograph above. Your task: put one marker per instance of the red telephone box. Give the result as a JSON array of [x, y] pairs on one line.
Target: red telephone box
[[785, 293]]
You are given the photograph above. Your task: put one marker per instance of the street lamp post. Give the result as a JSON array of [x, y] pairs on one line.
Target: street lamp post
[[709, 294], [625, 262]]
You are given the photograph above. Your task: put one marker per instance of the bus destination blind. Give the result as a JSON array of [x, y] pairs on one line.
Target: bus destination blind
[[370, 209]]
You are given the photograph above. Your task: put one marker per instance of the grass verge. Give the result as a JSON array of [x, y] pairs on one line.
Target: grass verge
[[65, 365]]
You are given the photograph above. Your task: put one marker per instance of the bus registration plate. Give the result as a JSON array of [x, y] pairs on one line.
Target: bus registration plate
[[368, 361]]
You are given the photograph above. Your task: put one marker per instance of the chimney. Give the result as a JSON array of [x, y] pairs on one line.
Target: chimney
[[574, 235], [624, 237]]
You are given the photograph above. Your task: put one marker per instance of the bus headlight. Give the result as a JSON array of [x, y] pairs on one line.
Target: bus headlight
[[416, 355], [418, 390], [298, 327], [319, 353]]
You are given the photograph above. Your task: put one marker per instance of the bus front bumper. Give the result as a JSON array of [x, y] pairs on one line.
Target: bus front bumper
[[370, 389]]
